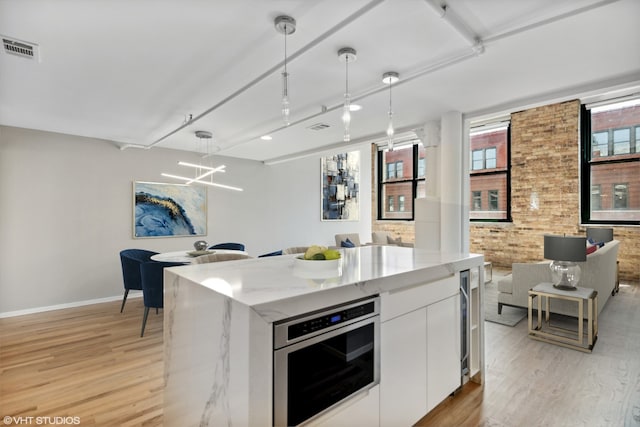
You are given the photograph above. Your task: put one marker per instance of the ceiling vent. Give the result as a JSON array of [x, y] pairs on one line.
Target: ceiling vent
[[318, 126], [20, 48]]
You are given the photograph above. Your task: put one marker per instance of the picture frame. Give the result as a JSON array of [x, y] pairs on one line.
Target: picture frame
[[168, 210], [340, 192]]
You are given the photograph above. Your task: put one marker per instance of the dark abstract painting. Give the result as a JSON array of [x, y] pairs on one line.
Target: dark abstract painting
[[341, 187], [166, 210]]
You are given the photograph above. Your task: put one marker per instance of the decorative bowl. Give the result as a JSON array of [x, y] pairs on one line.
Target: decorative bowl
[[317, 269], [200, 245]]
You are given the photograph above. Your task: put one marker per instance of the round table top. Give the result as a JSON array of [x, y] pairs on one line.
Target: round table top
[[183, 256]]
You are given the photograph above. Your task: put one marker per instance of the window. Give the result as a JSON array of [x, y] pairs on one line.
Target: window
[[600, 144], [493, 200], [620, 196], [621, 141], [610, 166], [596, 197], [422, 167], [490, 158], [391, 170], [476, 203], [404, 184], [477, 162], [489, 173]]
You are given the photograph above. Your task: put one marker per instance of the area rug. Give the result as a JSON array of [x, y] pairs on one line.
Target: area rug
[[510, 316]]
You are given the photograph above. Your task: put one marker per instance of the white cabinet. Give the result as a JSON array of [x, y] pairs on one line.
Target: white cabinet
[[363, 408], [420, 350], [403, 369], [443, 350]]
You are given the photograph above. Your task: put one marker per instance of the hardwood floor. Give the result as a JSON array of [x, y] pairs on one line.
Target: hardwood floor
[[89, 362], [531, 383]]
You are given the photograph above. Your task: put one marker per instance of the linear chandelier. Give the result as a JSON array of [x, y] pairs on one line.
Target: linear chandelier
[[203, 171]]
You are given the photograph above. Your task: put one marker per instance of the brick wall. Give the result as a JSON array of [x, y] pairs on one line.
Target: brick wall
[[545, 162]]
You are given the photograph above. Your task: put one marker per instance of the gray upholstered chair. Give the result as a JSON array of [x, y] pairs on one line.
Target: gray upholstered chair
[[203, 259], [353, 238], [295, 250]]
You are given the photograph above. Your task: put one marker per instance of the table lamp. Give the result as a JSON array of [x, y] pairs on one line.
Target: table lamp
[[565, 252]]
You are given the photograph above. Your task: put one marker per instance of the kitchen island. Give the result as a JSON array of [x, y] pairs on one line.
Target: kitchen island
[[219, 322]]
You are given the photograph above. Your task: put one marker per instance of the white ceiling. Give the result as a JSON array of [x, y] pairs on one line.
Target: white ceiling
[[133, 71]]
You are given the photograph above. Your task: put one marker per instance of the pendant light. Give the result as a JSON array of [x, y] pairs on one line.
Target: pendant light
[[285, 25], [347, 54], [390, 78], [203, 171]]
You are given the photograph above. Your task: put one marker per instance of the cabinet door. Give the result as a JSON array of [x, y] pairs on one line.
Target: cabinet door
[[443, 350], [362, 410], [403, 369]]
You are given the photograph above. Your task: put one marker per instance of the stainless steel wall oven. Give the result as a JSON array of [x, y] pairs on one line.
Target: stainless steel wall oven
[[323, 358]]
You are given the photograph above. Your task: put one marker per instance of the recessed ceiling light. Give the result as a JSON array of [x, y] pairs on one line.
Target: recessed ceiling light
[[266, 137], [355, 107]]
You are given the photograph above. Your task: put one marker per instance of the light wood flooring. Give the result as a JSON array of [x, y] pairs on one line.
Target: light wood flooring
[[89, 362]]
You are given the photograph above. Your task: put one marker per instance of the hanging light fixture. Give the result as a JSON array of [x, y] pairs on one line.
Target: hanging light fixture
[[203, 171], [390, 78], [347, 54], [285, 25]]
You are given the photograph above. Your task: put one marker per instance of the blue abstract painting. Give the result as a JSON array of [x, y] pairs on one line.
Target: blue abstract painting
[[166, 210]]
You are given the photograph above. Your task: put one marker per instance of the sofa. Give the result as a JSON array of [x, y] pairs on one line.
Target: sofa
[[377, 238], [598, 272]]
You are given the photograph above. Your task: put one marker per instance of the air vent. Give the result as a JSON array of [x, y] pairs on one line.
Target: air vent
[[20, 48], [318, 126]]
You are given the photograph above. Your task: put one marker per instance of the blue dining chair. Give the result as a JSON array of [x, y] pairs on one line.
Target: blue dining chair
[[151, 274], [229, 245], [131, 260]]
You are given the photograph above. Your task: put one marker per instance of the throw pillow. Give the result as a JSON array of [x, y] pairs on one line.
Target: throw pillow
[[347, 244], [276, 253], [591, 248]]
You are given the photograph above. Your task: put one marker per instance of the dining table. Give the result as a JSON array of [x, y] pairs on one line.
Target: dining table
[[188, 256]]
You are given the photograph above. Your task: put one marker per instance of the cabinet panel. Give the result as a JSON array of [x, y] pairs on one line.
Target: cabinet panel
[[363, 408], [443, 350], [403, 369], [406, 300]]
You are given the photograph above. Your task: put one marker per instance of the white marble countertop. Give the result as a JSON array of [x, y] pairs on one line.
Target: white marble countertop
[[276, 288]]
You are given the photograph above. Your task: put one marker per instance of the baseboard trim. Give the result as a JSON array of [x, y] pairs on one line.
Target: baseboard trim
[[132, 294]]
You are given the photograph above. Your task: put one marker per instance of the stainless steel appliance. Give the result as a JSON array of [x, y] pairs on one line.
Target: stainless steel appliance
[[323, 358], [465, 325]]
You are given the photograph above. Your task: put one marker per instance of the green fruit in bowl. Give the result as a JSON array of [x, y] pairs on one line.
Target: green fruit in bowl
[[331, 254], [313, 250], [318, 256]]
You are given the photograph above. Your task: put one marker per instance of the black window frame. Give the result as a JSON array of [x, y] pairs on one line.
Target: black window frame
[[415, 179], [485, 172], [586, 164]]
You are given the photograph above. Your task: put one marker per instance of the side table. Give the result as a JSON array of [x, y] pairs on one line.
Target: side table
[[545, 331]]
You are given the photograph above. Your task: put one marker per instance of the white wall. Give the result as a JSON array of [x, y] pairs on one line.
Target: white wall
[[66, 212]]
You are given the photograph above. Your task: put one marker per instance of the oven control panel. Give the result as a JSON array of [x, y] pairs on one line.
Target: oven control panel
[[327, 320]]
